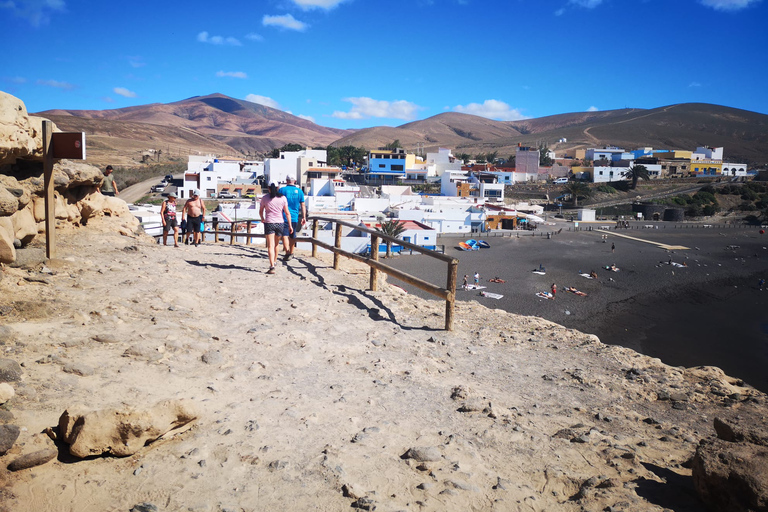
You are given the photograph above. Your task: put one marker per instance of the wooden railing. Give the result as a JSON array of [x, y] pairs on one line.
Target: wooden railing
[[448, 293]]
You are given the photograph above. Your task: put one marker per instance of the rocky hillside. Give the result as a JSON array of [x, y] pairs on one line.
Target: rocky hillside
[[214, 123]]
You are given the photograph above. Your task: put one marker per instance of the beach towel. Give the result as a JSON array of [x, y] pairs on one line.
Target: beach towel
[[587, 276], [679, 265], [491, 295], [474, 287], [540, 272], [545, 295]]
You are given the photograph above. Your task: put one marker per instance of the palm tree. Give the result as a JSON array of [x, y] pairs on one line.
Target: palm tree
[[635, 173], [393, 228], [577, 189]]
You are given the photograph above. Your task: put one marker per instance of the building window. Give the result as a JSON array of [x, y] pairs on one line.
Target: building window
[[381, 166], [396, 167]]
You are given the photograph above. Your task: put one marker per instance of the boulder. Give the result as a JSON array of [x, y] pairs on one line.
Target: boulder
[[15, 138], [78, 173], [6, 392], [33, 459], [9, 203], [24, 225], [7, 250], [731, 474], [8, 436], [10, 371], [122, 432]]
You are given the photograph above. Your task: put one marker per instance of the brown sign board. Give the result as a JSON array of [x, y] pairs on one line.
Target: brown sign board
[[69, 145]]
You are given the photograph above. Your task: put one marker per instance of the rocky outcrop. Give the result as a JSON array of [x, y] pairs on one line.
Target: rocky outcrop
[[731, 472], [22, 205], [121, 432]]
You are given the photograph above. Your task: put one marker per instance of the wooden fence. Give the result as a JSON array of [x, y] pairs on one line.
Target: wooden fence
[[447, 293]]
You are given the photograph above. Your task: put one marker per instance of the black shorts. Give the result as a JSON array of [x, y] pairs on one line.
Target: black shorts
[[169, 224], [274, 228], [195, 224], [287, 232]]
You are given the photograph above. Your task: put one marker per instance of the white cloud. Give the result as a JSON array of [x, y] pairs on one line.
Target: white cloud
[[285, 21], [107, 99], [728, 5], [587, 4], [262, 100], [204, 37], [592, 109], [136, 62], [122, 91], [308, 118], [254, 37], [364, 108], [16, 80], [56, 84], [317, 4], [492, 109], [560, 12], [37, 12], [694, 84], [232, 74]]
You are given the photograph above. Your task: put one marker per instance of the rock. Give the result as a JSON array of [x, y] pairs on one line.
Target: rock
[[10, 371], [24, 225], [78, 369], [16, 140], [144, 507], [729, 431], [472, 406], [212, 357], [423, 454], [459, 393], [6, 417], [6, 392], [731, 477], [122, 432], [105, 338], [8, 436], [33, 459]]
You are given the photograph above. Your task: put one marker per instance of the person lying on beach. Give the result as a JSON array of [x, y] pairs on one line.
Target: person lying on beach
[[593, 274], [612, 268], [577, 292], [496, 280], [545, 295]]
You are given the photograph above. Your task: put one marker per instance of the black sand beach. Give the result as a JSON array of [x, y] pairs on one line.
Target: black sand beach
[[707, 313]]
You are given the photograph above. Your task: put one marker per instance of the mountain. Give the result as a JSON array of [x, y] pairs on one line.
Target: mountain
[[227, 126], [742, 133], [213, 123]]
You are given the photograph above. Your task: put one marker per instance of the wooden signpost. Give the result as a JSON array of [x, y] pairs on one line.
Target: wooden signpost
[[57, 145]]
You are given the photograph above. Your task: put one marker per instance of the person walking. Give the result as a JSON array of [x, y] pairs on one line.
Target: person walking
[[613, 247], [168, 216], [466, 282], [554, 290], [295, 198], [194, 210], [477, 279], [273, 209], [108, 185], [761, 284]]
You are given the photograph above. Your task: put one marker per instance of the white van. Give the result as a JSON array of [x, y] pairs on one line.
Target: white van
[[560, 181]]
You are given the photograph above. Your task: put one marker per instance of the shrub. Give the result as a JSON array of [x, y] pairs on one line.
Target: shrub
[[749, 194], [710, 210], [747, 207], [607, 189], [708, 189]]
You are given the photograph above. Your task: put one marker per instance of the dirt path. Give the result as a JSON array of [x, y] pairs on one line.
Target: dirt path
[[311, 391]]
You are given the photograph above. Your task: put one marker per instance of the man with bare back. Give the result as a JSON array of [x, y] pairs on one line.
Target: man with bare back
[[194, 211]]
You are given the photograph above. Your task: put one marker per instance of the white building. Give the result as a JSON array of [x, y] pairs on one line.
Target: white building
[[707, 153], [209, 174], [294, 163], [734, 169]]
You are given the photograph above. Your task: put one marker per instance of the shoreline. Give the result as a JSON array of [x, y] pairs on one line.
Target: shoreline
[[708, 313]]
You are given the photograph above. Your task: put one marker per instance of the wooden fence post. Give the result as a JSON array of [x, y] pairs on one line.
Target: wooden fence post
[[50, 204], [337, 244], [248, 230], [374, 279], [314, 237], [231, 233], [215, 226], [450, 302]]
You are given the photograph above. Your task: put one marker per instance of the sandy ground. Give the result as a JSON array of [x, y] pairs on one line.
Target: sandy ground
[[312, 389], [710, 312]]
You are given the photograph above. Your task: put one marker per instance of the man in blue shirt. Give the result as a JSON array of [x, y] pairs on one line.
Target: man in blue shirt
[[295, 198]]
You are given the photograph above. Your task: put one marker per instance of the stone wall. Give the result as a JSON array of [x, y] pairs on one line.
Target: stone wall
[[22, 205]]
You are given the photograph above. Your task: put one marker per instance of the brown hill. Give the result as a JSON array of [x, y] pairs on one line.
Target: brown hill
[[213, 123], [742, 133]]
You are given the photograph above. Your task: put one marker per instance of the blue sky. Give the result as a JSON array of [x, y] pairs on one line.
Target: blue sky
[[361, 63]]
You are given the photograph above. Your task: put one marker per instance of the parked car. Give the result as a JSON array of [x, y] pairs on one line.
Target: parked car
[[250, 196], [227, 195], [560, 181], [158, 188], [168, 178]]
